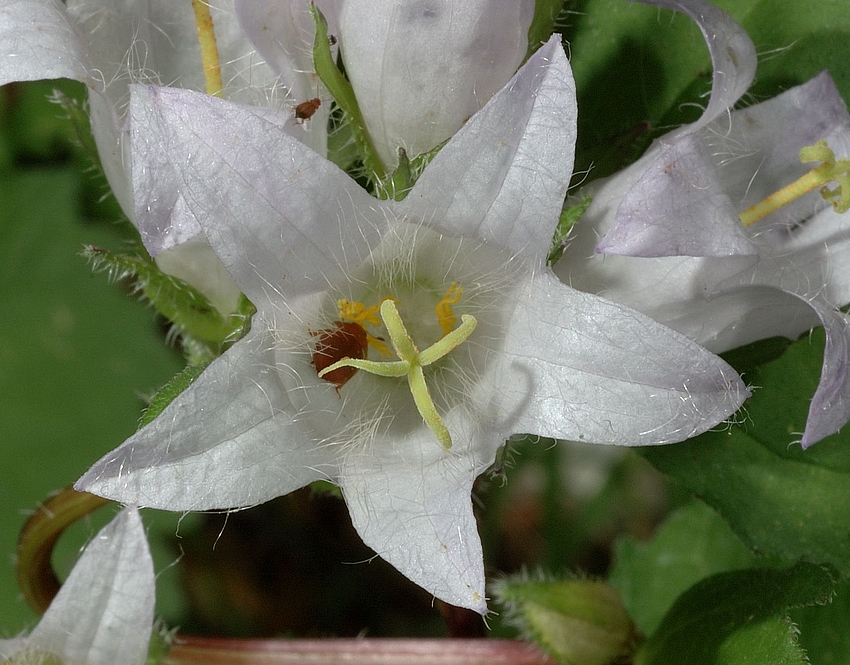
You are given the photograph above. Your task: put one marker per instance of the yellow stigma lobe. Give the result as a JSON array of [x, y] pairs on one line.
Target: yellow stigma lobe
[[411, 362]]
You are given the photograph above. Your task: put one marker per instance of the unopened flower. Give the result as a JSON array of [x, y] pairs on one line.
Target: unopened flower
[[421, 69], [103, 614], [670, 240], [109, 45], [397, 345]]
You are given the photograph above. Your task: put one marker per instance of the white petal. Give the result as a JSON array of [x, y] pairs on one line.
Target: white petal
[[281, 218], [503, 176], [282, 31], [830, 407], [227, 441], [678, 207], [38, 42], [103, 614], [586, 369], [420, 68], [733, 56], [412, 505], [195, 262]]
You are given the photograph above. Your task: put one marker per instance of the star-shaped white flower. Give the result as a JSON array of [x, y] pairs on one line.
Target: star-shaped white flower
[[103, 614], [668, 239], [451, 281]]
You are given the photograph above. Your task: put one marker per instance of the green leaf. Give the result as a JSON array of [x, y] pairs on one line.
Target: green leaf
[[736, 617], [640, 68], [781, 500], [693, 543], [75, 354]]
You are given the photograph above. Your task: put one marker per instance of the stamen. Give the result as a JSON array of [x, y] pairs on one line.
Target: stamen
[[444, 308], [411, 362], [830, 170], [358, 313], [209, 48]]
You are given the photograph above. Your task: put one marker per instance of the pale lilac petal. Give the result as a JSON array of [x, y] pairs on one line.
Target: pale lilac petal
[[38, 42], [103, 614], [733, 56], [411, 504], [229, 440], [504, 175], [421, 69], [282, 218], [758, 152], [586, 369], [830, 407], [677, 208]]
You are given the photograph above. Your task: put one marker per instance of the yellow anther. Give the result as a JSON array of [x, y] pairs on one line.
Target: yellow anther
[[357, 312], [209, 48], [443, 308], [830, 170]]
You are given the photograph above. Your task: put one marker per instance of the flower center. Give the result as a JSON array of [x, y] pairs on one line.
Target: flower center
[[830, 170], [411, 360]]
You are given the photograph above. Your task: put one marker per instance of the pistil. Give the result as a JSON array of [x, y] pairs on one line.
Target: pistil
[[830, 170], [410, 364]]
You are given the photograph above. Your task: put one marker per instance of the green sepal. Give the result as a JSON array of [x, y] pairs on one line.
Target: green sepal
[[160, 643], [165, 395], [546, 13], [738, 617], [176, 300], [401, 181], [342, 92], [569, 216], [578, 622]]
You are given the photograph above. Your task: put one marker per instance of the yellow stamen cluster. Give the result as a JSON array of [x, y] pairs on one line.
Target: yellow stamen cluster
[[357, 312], [830, 170]]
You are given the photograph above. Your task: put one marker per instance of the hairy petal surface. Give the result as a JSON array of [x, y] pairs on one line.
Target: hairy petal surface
[[795, 280], [503, 180], [675, 179], [586, 369], [103, 614], [272, 238], [38, 42], [413, 506], [227, 441], [421, 68]]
